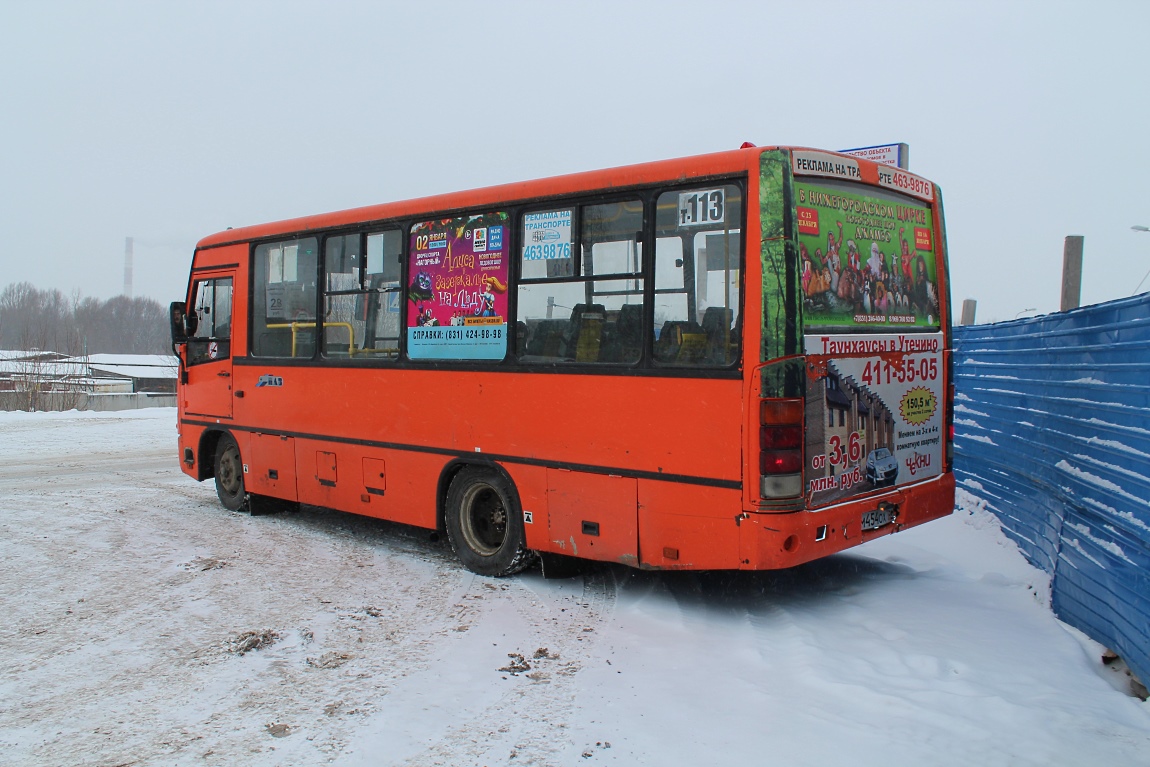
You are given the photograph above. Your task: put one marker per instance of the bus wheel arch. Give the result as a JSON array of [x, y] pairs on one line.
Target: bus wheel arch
[[448, 475], [483, 519], [206, 463]]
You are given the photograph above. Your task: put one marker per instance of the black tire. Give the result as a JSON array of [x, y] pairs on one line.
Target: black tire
[[229, 471], [484, 523]]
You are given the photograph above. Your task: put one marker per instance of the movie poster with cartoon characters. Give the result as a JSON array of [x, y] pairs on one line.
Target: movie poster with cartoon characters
[[457, 299], [874, 412], [865, 260]]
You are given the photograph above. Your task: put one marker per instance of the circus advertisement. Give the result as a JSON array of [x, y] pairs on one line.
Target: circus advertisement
[[457, 299], [866, 260], [874, 413]]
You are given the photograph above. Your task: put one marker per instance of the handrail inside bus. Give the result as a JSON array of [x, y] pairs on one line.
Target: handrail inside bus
[[352, 349], [295, 326]]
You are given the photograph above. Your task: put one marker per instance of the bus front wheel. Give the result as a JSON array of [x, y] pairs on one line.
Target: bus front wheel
[[484, 523], [229, 469]]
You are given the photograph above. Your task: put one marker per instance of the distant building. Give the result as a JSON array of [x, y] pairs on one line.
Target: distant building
[[152, 373], [24, 370], [94, 374]]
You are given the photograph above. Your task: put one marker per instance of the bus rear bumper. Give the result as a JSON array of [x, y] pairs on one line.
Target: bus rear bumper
[[774, 541]]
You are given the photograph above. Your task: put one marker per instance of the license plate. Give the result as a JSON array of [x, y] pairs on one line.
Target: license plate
[[873, 520]]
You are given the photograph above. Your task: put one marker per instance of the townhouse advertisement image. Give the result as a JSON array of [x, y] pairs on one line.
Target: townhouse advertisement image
[[874, 413]]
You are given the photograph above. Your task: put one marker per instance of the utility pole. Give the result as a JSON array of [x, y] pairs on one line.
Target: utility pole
[[1072, 272]]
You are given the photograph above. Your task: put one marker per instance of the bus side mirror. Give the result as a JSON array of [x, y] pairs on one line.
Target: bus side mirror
[[177, 315]]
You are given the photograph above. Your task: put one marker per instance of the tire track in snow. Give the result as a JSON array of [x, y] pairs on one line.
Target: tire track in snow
[[136, 581], [123, 598], [527, 723], [225, 703]]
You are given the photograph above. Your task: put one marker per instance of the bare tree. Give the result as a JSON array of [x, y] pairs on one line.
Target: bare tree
[[47, 325], [49, 320]]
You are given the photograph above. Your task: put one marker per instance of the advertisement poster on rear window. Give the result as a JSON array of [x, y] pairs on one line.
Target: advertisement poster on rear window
[[457, 299], [874, 413], [866, 259]]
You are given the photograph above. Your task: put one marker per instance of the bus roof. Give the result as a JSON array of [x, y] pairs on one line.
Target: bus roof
[[620, 177]]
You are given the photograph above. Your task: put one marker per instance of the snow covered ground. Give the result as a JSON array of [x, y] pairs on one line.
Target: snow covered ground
[[132, 601]]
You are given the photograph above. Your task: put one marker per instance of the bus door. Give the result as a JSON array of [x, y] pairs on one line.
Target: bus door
[[209, 347]]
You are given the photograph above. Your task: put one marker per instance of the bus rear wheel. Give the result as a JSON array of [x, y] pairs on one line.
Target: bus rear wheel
[[484, 523], [229, 470]]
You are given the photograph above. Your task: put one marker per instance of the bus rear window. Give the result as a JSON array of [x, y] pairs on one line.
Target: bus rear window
[[867, 258]]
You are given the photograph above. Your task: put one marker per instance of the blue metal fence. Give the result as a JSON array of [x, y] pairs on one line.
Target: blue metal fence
[[1052, 429]]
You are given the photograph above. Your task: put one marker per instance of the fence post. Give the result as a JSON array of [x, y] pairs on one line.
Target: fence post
[[968, 307], [1072, 272]]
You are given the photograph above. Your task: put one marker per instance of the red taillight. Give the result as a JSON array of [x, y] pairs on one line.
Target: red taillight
[[780, 412], [780, 447], [781, 437], [780, 461]]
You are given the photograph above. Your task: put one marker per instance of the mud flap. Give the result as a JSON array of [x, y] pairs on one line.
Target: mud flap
[[262, 505], [559, 566]]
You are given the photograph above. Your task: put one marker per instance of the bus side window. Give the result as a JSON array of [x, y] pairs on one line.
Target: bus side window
[[362, 296], [698, 285], [381, 304], [212, 310], [343, 264], [581, 284], [284, 298]]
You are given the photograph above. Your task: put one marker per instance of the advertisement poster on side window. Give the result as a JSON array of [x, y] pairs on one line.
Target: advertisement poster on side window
[[457, 299]]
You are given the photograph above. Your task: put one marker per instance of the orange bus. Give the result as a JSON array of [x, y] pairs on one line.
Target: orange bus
[[734, 361]]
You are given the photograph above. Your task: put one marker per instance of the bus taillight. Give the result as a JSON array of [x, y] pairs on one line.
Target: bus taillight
[[781, 448]]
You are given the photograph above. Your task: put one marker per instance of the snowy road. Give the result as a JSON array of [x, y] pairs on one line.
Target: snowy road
[[130, 596]]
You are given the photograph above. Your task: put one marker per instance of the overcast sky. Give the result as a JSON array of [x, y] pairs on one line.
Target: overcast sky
[[167, 121]]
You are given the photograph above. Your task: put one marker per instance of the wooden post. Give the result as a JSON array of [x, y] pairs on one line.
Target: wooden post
[[968, 307], [1072, 272]]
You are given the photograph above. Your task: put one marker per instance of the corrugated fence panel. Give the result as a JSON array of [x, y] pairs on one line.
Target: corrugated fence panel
[[1052, 429]]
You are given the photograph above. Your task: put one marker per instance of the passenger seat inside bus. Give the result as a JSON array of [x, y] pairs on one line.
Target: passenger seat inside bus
[[586, 332], [549, 339], [681, 342], [623, 341], [717, 326]]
